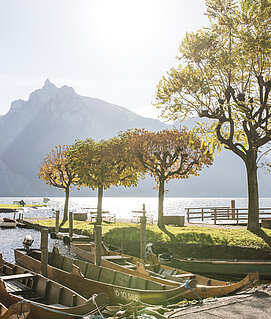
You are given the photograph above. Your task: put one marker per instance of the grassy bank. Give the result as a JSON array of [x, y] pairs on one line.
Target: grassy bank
[[188, 234]]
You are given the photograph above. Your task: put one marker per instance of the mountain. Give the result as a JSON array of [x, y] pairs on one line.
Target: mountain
[[53, 116]]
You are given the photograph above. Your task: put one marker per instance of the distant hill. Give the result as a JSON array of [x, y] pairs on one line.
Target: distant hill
[[53, 116]]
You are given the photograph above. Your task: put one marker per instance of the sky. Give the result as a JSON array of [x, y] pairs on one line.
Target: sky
[[114, 50]]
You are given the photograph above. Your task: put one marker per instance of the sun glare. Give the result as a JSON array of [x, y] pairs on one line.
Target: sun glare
[[122, 26]]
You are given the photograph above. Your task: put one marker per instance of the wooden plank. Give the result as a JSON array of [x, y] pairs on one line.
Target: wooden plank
[[17, 276]]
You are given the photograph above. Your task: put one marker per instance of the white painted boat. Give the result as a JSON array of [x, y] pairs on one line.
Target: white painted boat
[[7, 223]]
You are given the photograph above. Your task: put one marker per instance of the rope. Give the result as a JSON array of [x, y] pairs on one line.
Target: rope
[[56, 311], [95, 304], [189, 287], [22, 310]]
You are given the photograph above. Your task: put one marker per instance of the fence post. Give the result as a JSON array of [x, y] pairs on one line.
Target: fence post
[[44, 252], [57, 221], [70, 224], [233, 208], [215, 216], [202, 215], [187, 214], [237, 216]]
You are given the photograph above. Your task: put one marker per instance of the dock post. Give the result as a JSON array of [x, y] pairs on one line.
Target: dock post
[[57, 222], [98, 244], [123, 240], [143, 222], [19, 216], [70, 224], [233, 209], [14, 215], [44, 251]]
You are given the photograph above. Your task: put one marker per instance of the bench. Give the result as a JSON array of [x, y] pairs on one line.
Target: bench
[[136, 215]]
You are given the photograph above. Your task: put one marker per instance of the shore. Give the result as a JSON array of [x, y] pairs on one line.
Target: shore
[[252, 304]]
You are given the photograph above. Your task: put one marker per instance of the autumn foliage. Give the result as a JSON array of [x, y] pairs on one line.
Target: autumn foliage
[[56, 171], [169, 154], [100, 165]]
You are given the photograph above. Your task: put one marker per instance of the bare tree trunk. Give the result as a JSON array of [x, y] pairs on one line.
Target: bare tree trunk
[[161, 194], [253, 193], [253, 223], [66, 206], [99, 206]]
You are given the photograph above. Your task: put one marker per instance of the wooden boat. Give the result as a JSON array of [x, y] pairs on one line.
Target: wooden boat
[[224, 267], [87, 278], [205, 287], [7, 222], [47, 298]]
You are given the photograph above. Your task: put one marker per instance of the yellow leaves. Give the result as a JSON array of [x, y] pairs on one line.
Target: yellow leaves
[[56, 170]]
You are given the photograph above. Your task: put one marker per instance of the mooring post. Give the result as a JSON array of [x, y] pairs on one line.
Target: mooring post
[[143, 222], [70, 224], [44, 251], [57, 221], [123, 240], [233, 209], [98, 244], [14, 215]]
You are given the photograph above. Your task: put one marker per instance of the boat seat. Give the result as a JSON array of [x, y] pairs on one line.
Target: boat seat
[[17, 276], [16, 287], [118, 259], [130, 266]]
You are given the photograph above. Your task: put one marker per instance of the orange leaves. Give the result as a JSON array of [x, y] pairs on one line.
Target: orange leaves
[[169, 154], [56, 170]]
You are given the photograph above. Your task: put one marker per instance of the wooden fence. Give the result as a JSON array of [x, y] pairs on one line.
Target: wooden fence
[[221, 215]]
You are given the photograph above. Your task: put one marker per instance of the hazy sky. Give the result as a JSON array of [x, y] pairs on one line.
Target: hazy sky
[[115, 50]]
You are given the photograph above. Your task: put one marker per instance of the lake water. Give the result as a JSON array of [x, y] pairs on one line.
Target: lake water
[[122, 207]]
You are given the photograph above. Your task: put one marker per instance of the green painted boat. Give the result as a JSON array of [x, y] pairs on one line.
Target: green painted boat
[[223, 267]]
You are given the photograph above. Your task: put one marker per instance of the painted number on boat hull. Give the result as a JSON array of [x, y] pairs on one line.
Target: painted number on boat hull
[[126, 295]]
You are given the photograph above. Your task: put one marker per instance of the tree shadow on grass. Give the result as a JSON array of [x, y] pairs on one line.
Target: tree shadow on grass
[[132, 233], [168, 233], [194, 237]]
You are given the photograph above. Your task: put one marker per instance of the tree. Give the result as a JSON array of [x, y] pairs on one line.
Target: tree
[[224, 75], [100, 165], [56, 171], [169, 154]]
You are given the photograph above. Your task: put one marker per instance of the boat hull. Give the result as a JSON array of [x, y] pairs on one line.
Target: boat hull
[[220, 267], [205, 288], [47, 299], [118, 286]]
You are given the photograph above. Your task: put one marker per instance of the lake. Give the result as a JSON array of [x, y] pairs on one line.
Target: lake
[[122, 207]]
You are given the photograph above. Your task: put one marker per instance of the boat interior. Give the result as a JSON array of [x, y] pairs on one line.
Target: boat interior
[[99, 273], [17, 281]]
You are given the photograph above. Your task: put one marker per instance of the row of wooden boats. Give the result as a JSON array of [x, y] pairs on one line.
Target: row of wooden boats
[[77, 287], [28, 293], [205, 287]]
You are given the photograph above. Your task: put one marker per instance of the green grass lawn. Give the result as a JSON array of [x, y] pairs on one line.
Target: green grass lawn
[[187, 234]]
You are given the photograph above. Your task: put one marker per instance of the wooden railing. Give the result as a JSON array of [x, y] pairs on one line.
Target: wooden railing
[[223, 214]]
